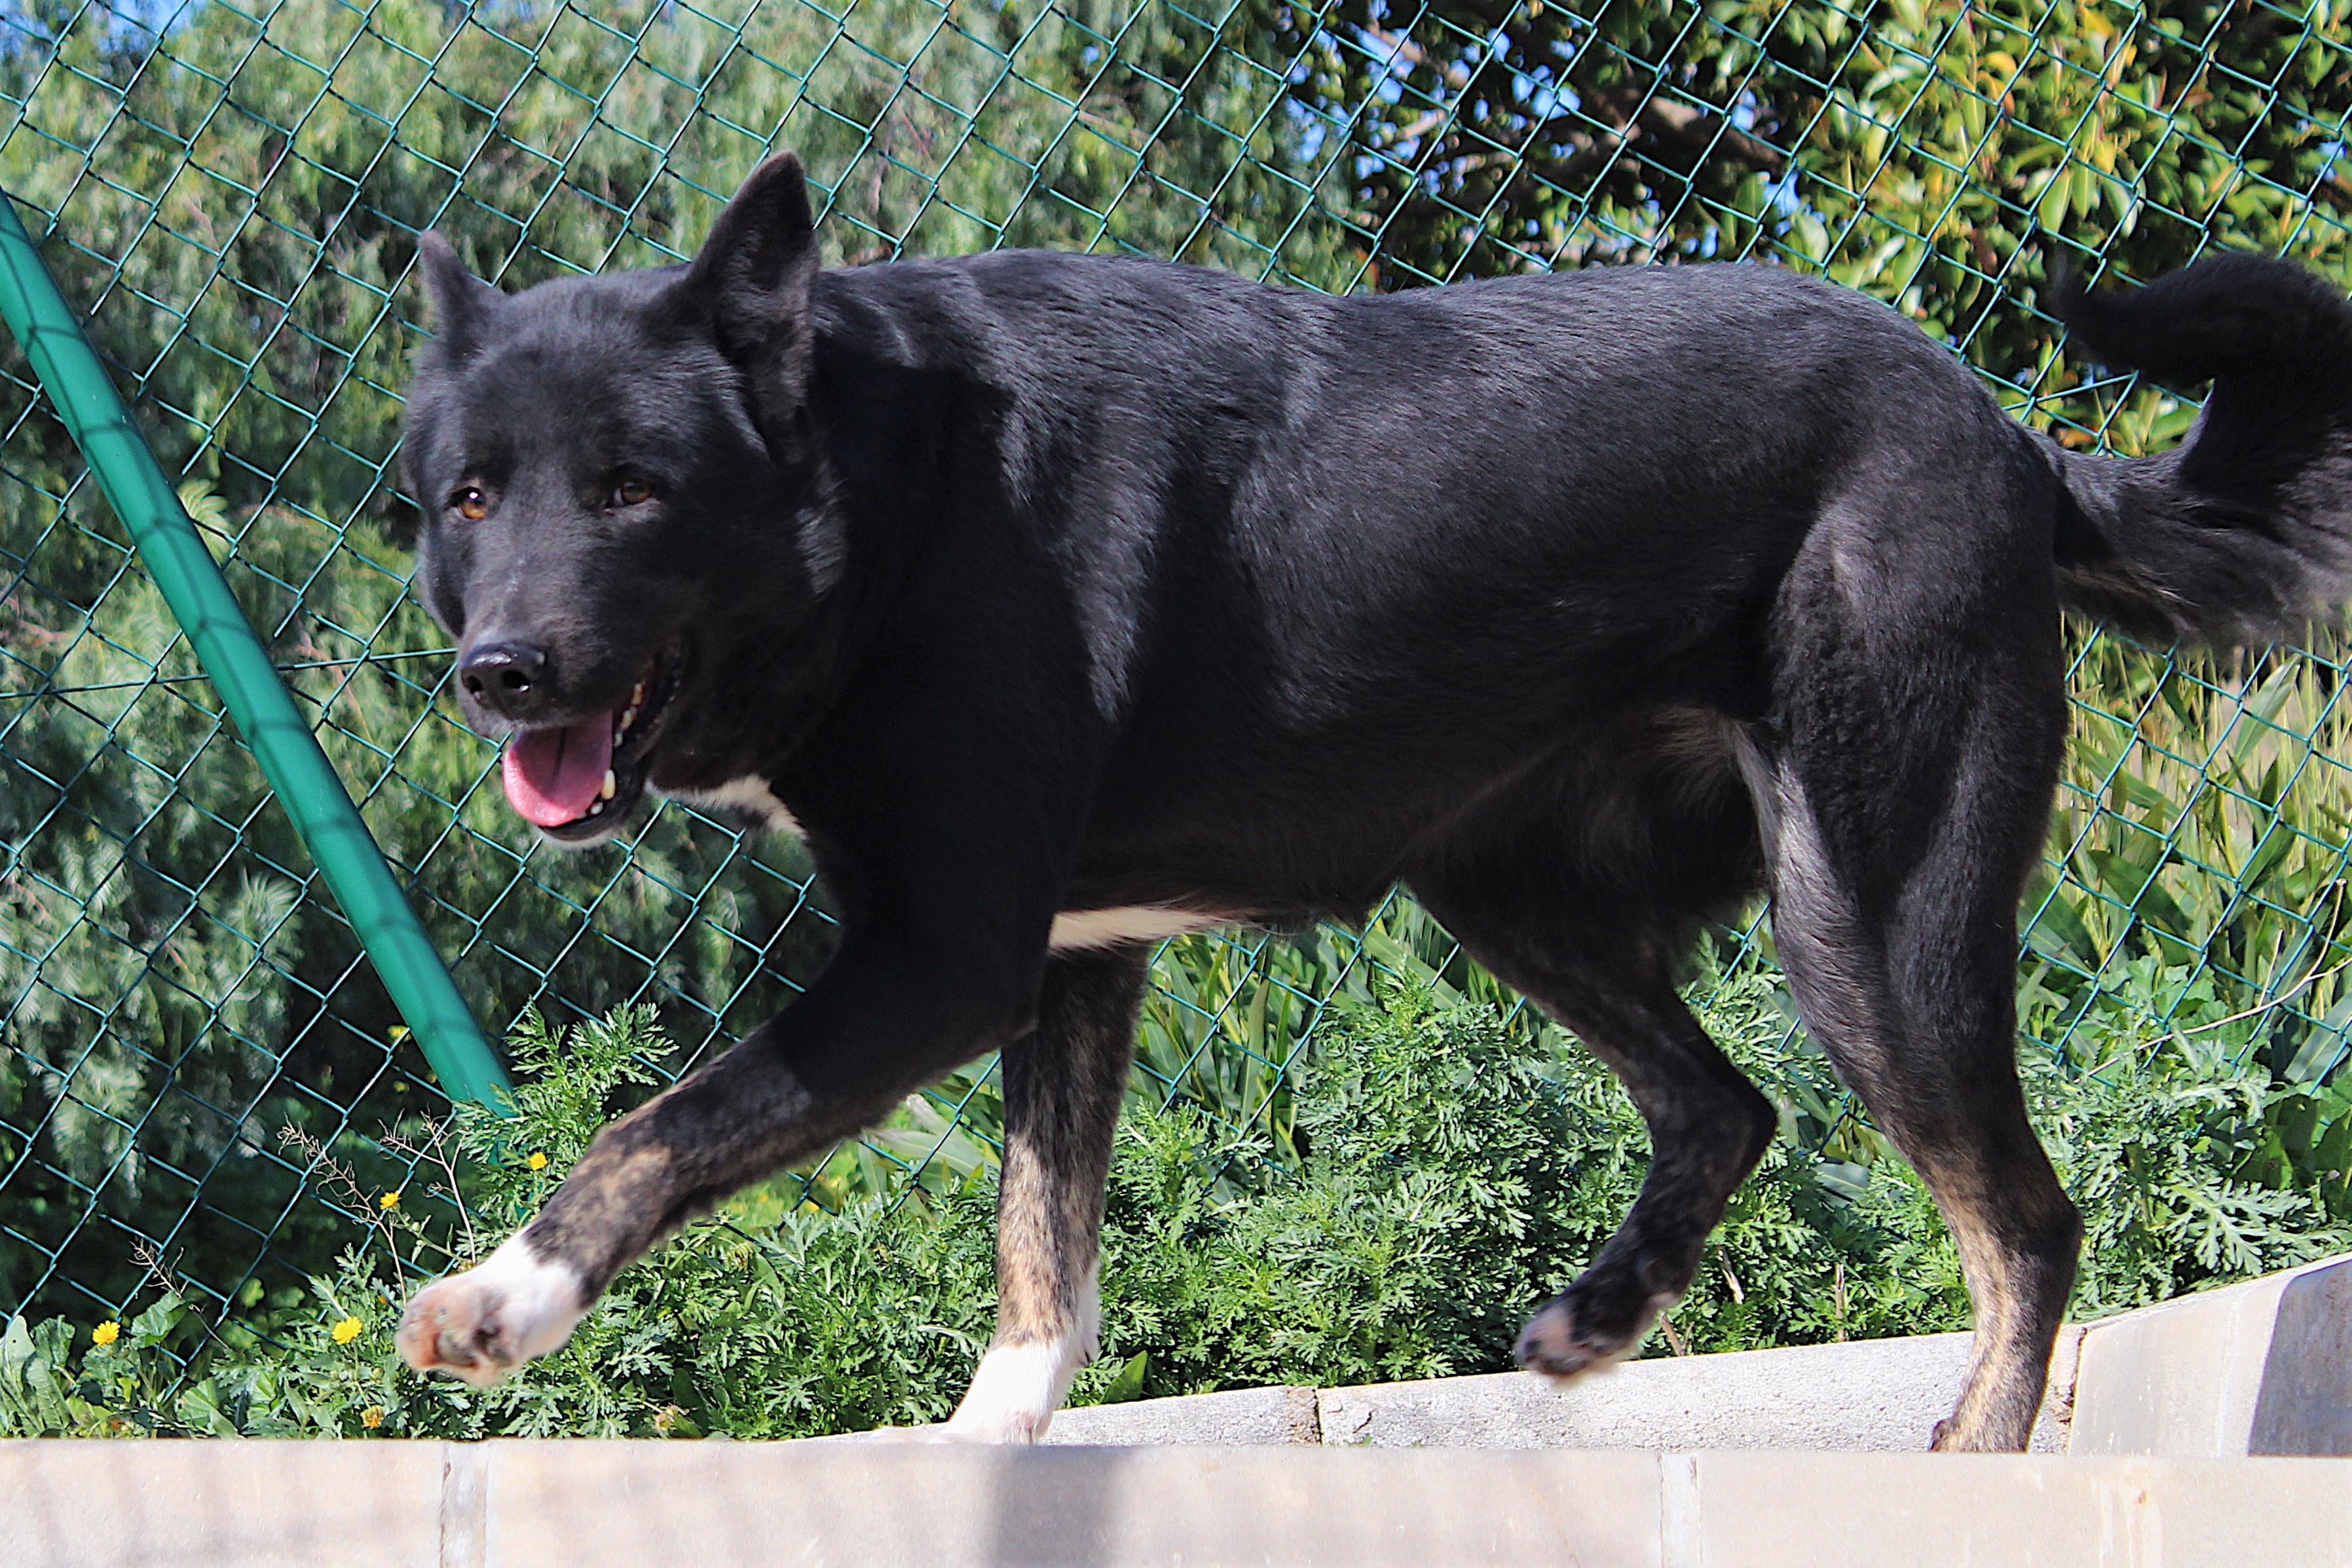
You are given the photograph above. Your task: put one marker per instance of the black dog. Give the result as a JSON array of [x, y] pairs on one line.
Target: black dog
[[1067, 603]]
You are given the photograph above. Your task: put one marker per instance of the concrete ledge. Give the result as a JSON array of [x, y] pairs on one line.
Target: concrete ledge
[[1869, 1396], [256, 1505], [2259, 1368], [1864, 1397], [1237, 1417], [717, 1505]]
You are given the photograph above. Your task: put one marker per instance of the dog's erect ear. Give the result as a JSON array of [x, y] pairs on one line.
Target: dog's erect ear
[[462, 303], [750, 285]]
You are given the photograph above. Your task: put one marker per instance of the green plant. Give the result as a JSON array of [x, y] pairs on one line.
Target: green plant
[[1455, 1163]]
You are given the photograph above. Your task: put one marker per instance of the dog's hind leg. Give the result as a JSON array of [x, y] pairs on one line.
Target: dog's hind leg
[[1913, 996], [1581, 955], [1904, 790], [1064, 1083]]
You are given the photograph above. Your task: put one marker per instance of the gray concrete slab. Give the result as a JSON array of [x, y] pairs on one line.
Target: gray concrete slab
[[150, 1504], [1773, 1511], [2259, 1368], [626, 1505], [1865, 1395], [1234, 1417], [1237, 1417], [556, 1504]]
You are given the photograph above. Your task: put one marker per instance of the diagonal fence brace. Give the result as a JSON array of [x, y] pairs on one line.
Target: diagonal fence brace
[[232, 654]]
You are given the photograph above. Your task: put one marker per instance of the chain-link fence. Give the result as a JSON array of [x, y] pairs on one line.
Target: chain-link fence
[[233, 193]]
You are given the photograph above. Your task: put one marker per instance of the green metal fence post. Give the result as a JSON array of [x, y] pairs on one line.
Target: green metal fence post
[[240, 666]]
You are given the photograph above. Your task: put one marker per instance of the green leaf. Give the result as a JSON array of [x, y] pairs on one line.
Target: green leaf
[[1129, 1384]]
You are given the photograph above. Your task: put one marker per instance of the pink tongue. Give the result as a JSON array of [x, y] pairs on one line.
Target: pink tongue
[[553, 776]]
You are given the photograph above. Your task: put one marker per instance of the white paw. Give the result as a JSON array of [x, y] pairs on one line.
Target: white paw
[[481, 1325], [1015, 1392]]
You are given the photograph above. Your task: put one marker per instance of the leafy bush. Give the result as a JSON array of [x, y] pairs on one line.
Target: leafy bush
[[1453, 1167]]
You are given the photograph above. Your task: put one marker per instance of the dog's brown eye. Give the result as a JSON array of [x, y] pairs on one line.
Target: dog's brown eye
[[472, 504], [632, 492]]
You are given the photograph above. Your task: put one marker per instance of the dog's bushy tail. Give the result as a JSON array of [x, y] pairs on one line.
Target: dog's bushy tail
[[2243, 534]]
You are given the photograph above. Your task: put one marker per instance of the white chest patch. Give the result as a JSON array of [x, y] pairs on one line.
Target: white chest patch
[[745, 797], [1080, 928]]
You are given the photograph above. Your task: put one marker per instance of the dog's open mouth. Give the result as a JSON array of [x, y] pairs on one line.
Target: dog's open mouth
[[577, 781]]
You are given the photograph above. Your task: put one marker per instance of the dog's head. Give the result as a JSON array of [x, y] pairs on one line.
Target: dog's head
[[613, 474]]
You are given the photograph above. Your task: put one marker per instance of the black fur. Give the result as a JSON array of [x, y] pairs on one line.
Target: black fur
[[1588, 606], [2244, 533]]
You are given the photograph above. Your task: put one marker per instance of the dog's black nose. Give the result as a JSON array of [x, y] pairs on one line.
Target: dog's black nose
[[507, 678]]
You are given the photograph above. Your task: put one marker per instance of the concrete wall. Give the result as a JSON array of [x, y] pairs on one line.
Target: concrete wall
[[1463, 1472], [2259, 1368], [719, 1505]]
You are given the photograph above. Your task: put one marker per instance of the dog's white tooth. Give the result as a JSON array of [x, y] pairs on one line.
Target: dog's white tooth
[[636, 696], [596, 808], [612, 786]]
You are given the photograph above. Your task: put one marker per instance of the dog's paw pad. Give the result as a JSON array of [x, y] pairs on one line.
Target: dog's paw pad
[[1551, 1345], [1561, 1343], [481, 1325], [454, 1325]]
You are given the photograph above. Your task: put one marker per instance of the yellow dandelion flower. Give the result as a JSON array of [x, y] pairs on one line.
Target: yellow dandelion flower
[[371, 1417], [106, 1333], [347, 1330], [537, 1162], [389, 1201]]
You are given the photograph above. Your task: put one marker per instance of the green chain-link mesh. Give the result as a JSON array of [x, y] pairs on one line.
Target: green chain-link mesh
[[232, 191]]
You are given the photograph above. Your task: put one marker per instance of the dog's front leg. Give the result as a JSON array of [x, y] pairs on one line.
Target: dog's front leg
[[1064, 1083], [884, 1019]]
